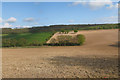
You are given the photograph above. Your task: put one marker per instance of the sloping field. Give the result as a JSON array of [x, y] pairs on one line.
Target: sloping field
[[30, 37], [97, 58]]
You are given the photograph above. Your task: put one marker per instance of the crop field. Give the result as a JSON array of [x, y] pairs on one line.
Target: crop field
[[30, 37], [97, 58]]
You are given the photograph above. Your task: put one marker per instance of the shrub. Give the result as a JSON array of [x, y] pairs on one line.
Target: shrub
[[100, 27], [6, 42], [36, 43], [62, 30], [60, 41], [75, 31], [22, 42], [19, 43], [13, 42], [66, 40], [81, 39], [66, 31]]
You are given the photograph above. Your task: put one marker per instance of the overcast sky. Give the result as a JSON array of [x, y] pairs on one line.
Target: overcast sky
[[27, 14]]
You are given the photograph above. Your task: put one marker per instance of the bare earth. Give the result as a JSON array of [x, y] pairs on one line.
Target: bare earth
[[97, 58]]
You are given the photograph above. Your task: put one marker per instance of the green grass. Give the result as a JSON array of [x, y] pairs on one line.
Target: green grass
[[3, 35], [30, 37]]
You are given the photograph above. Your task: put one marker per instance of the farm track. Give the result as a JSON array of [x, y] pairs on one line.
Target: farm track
[[97, 58]]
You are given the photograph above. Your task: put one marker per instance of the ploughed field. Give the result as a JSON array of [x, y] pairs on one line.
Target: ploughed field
[[97, 58]]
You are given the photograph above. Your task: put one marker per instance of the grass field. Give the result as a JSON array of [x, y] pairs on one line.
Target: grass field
[[30, 37]]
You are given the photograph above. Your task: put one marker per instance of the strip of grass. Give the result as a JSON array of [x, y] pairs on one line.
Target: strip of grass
[[3, 35], [30, 37]]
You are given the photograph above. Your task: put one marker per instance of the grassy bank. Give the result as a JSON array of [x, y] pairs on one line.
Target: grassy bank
[[30, 39]]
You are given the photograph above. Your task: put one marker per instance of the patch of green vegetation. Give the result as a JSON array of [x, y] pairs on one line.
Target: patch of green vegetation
[[66, 40], [26, 39], [81, 39], [75, 31], [3, 35]]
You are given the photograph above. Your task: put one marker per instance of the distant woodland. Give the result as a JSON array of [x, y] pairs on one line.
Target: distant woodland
[[55, 28]]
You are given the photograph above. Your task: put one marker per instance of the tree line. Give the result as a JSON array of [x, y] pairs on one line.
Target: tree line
[[54, 28]]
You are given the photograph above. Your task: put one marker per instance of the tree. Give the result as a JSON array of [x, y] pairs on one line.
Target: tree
[[62, 30], [75, 31]]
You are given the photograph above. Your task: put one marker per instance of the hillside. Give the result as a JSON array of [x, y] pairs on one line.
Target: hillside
[[37, 36], [25, 39]]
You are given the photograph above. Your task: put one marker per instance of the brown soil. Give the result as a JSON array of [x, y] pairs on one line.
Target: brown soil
[[97, 58]]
